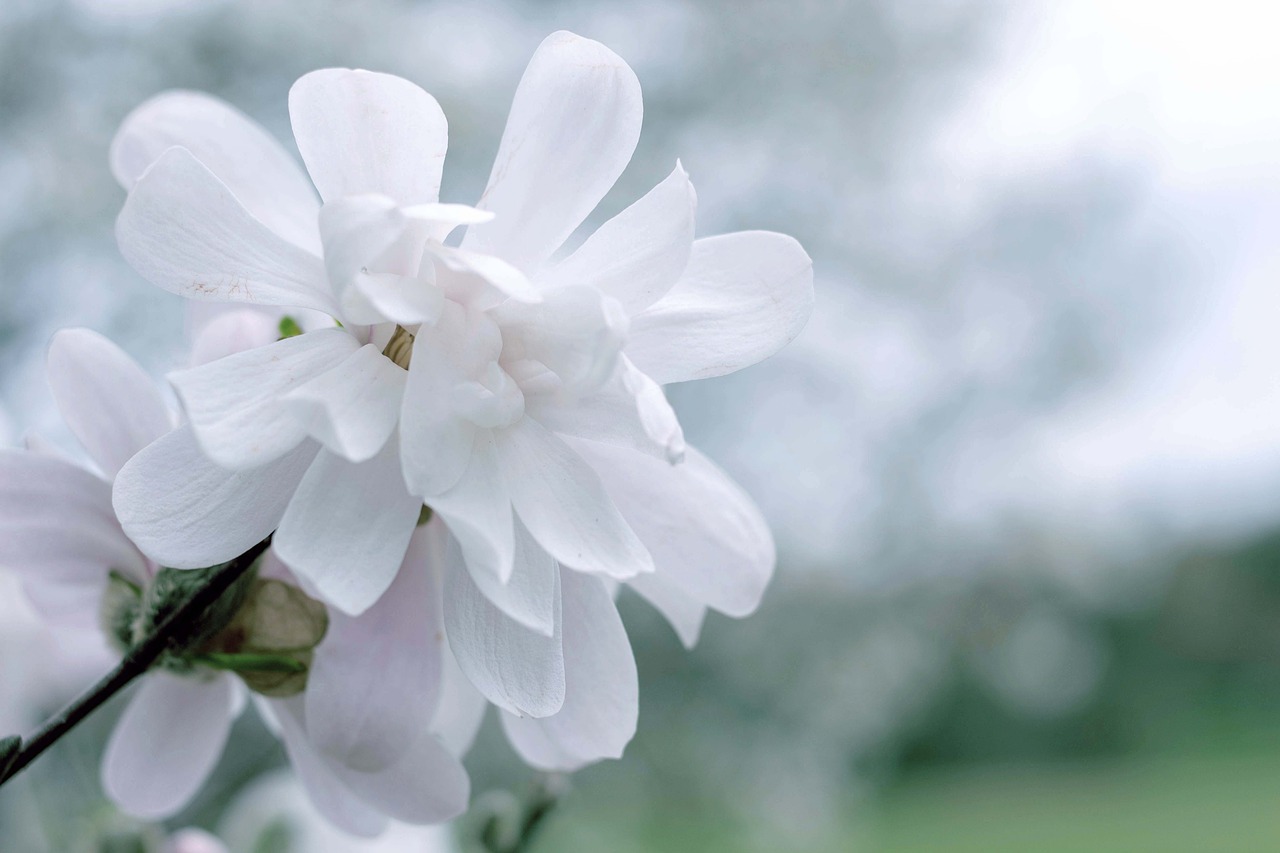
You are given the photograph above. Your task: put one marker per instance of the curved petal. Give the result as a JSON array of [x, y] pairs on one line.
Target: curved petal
[[237, 404], [352, 408], [707, 538], [572, 129], [460, 712], [515, 668], [263, 175], [59, 534], [166, 743], [638, 255], [348, 527], [528, 596], [742, 298], [112, 407], [375, 680], [563, 504], [183, 230], [477, 511], [630, 410], [331, 797], [683, 613], [427, 785], [184, 511], [436, 442], [365, 132], [231, 332], [602, 691]]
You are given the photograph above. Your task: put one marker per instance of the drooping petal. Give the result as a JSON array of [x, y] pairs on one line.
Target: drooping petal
[[351, 409], [435, 442], [742, 298], [348, 527], [638, 255], [166, 743], [528, 596], [263, 175], [327, 793], [365, 132], [375, 680], [707, 538], [572, 129], [428, 784], [683, 613], [460, 712], [59, 535], [112, 406], [515, 668], [237, 404], [478, 512], [630, 410], [563, 504], [186, 512], [602, 691], [184, 231]]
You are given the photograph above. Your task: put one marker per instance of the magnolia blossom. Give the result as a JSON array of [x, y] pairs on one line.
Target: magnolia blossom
[[513, 388], [58, 533]]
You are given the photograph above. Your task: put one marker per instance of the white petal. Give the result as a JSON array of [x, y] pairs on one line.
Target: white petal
[[256, 167], [577, 332], [348, 527], [231, 332], [375, 679], [351, 409], [742, 298], [478, 512], [57, 526], [572, 129], [435, 440], [193, 841], [515, 668], [493, 271], [707, 538], [630, 410], [236, 404], [639, 254], [529, 595], [364, 132], [112, 406], [166, 743], [183, 230], [184, 511], [683, 613], [562, 502], [602, 691], [331, 797]]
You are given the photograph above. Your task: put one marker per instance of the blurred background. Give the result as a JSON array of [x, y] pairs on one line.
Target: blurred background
[[1023, 465]]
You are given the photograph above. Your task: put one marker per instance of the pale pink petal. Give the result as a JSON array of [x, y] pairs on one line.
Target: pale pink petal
[[365, 132], [184, 511], [111, 406], [602, 694], [639, 254], [237, 405], [375, 680], [742, 298], [353, 407], [348, 527], [167, 743], [185, 231], [231, 332], [264, 177], [563, 504], [572, 129]]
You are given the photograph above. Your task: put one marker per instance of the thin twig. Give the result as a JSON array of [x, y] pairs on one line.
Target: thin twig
[[135, 663]]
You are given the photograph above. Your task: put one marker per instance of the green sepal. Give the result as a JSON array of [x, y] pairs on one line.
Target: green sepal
[[289, 327]]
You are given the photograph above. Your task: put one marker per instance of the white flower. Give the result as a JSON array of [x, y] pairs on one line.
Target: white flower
[[530, 417], [58, 533]]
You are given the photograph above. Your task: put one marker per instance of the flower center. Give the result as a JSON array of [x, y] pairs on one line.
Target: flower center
[[400, 348]]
